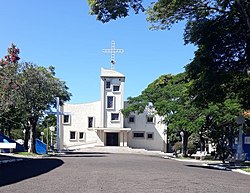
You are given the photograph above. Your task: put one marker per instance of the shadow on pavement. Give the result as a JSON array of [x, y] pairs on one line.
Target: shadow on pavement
[[14, 172], [82, 154]]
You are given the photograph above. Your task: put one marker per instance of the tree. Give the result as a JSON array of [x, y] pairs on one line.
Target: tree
[[222, 49], [9, 117], [106, 10], [37, 89], [220, 127], [221, 60], [170, 97], [8, 70]]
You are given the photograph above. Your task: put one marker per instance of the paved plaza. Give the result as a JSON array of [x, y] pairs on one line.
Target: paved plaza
[[111, 171]]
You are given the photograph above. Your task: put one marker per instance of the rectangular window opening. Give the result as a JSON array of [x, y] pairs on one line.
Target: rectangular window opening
[[138, 134], [81, 135], [131, 119], [114, 116], [108, 84], [116, 88], [72, 135], [90, 122], [110, 102], [66, 119], [150, 135], [150, 119]]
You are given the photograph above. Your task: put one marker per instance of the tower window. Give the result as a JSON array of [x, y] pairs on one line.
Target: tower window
[[114, 116], [110, 102], [107, 84], [116, 88]]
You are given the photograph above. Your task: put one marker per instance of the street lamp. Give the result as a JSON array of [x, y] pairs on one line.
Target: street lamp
[[240, 121], [42, 134], [52, 129], [182, 142], [24, 131]]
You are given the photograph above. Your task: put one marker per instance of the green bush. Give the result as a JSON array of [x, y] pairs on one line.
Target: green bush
[[191, 148], [177, 147]]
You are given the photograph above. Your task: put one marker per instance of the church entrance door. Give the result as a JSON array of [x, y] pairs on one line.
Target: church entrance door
[[112, 139]]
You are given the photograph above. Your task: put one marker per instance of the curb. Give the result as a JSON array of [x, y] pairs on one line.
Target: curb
[[241, 171], [218, 167], [11, 160]]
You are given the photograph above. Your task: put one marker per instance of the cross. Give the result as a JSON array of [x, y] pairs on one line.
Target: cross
[[57, 113], [112, 51]]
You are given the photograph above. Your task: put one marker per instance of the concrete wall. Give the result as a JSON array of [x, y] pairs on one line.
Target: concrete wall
[[118, 101], [158, 142], [79, 114]]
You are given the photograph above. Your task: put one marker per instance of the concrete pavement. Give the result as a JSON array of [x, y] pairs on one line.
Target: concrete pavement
[[10, 157]]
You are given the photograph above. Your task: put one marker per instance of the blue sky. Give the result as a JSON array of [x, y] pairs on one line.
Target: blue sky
[[64, 35]]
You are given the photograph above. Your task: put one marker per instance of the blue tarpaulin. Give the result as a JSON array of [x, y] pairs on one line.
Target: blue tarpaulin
[[246, 145], [41, 148], [5, 139]]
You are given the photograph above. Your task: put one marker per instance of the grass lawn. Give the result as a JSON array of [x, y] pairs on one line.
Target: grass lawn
[[27, 154], [246, 169]]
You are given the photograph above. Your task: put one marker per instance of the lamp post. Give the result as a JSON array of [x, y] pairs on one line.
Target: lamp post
[[240, 121], [24, 131], [182, 142], [52, 129], [42, 134]]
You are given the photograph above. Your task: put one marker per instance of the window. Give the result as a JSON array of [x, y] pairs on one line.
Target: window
[[110, 102], [72, 135], [66, 119], [150, 135], [150, 119], [90, 122], [107, 84], [138, 134], [116, 88], [131, 119], [114, 116], [81, 135]]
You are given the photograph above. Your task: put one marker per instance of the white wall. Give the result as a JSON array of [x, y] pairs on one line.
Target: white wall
[[79, 114], [141, 125]]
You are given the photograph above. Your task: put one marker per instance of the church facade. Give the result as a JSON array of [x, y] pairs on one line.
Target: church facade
[[102, 123]]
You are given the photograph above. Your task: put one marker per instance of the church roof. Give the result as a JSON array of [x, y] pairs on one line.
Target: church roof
[[110, 73]]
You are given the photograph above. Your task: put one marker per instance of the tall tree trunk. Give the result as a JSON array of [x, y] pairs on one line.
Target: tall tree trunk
[[33, 138], [26, 138], [185, 143], [9, 133]]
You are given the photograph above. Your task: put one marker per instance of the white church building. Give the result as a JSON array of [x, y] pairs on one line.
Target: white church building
[[102, 123]]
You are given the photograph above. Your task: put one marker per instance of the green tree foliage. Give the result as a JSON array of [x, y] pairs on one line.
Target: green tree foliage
[[8, 69], [106, 10], [26, 91], [220, 127], [219, 28], [44, 125], [222, 59], [9, 117], [37, 89], [170, 97]]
